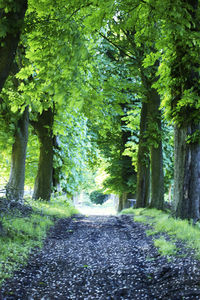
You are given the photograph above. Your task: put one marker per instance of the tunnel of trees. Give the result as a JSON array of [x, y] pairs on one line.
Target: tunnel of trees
[[90, 83]]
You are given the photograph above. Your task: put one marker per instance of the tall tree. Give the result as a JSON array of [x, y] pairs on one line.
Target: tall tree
[[111, 88], [15, 185], [178, 46], [52, 65], [150, 142], [187, 143]]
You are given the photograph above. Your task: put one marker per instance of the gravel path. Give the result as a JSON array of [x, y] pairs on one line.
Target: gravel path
[[102, 258]]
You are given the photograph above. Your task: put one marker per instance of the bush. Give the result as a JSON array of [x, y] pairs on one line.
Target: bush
[[98, 197]]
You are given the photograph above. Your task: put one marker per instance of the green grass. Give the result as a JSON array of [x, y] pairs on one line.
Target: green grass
[[20, 235], [165, 247], [176, 228], [58, 207], [127, 211]]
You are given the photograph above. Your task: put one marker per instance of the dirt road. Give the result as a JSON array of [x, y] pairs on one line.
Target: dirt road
[[102, 258]]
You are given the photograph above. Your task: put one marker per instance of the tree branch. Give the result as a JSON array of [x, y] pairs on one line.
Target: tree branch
[[44, 21], [117, 46]]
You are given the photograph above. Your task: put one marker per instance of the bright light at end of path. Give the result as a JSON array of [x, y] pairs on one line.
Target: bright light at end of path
[[107, 208]]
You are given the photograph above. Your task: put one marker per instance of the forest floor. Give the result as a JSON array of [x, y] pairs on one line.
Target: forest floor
[[103, 258]]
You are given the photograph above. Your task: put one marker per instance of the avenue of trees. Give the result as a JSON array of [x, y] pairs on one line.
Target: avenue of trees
[[91, 83]]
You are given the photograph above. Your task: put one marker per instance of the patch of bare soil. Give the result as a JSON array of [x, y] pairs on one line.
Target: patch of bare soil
[[103, 258]]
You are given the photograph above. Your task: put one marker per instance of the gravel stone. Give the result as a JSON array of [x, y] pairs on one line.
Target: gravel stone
[[103, 258]]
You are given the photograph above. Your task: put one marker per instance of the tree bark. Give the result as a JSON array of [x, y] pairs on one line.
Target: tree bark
[[156, 153], [15, 186], [123, 201], [43, 181], [143, 162], [187, 174], [57, 171], [9, 43], [187, 152]]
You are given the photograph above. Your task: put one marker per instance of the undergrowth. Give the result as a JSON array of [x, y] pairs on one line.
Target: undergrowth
[[165, 247], [58, 207], [128, 211], [19, 234], [163, 222]]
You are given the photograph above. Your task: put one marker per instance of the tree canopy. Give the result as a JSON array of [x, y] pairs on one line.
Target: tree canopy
[[89, 81]]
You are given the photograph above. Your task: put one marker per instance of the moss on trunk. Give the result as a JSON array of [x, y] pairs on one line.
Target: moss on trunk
[[15, 186]]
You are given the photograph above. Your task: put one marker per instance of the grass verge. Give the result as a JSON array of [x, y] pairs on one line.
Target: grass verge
[[165, 247], [19, 234], [58, 207], [175, 228]]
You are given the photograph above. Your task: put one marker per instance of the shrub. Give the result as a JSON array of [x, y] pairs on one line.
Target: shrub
[[98, 197]]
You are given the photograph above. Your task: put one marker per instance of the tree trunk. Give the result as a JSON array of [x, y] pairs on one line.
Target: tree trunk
[[9, 43], [156, 153], [43, 181], [128, 173], [187, 173], [15, 186], [58, 169], [143, 164], [157, 178], [185, 78], [123, 202]]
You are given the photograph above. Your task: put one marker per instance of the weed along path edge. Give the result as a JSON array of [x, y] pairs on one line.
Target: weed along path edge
[[102, 257]]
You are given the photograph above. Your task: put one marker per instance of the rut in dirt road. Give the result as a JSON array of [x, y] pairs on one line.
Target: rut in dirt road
[[102, 258]]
